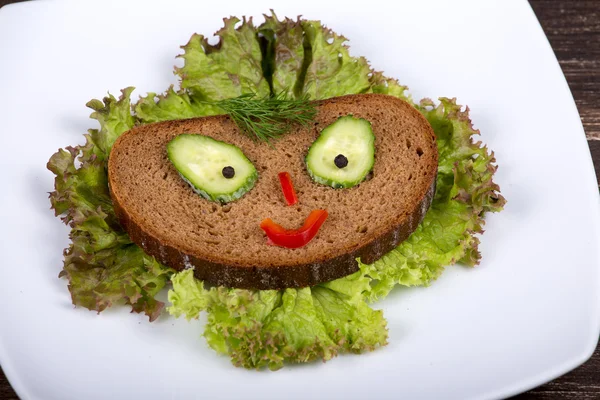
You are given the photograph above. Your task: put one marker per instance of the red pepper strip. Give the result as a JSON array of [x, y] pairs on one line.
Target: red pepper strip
[[288, 188], [294, 238]]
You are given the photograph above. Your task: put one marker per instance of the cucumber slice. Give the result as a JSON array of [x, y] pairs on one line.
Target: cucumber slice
[[344, 153], [206, 164]]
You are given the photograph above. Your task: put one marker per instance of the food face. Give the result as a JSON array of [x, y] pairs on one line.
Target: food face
[[365, 218]]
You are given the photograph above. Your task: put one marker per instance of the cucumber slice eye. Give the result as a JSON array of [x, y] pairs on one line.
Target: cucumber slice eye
[[216, 170], [344, 153]]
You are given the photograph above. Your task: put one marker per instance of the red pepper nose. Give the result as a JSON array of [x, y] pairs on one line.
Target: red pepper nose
[[288, 188]]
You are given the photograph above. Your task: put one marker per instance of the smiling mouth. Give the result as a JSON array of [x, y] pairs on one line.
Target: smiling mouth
[[277, 235]]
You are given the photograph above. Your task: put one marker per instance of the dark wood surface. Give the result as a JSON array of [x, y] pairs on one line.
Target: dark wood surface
[[573, 28]]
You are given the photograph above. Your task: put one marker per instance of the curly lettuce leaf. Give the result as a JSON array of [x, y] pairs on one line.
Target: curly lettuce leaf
[[287, 40], [464, 193], [267, 328], [331, 70], [170, 106], [228, 69], [114, 117], [390, 86], [102, 265]]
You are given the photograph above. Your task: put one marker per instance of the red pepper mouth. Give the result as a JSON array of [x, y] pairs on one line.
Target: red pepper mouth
[[277, 235], [294, 238]]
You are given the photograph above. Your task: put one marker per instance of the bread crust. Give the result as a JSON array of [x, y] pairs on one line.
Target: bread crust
[[216, 272]]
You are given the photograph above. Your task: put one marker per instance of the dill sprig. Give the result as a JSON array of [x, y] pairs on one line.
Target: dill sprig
[[268, 118]]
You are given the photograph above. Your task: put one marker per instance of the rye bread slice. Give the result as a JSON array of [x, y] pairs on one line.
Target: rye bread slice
[[224, 243]]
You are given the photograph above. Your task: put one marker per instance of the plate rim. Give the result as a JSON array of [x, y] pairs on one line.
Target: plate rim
[[23, 390]]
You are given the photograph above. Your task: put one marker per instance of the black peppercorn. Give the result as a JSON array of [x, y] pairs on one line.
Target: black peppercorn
[[228, 172], [340, 161]]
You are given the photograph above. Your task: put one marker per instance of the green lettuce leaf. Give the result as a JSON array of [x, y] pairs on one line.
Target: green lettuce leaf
[[440, 240], [171, 105], [114, 117], [102, 265], [287, 40], [228, 69], [269, 327], [331, 70], [383, 85]]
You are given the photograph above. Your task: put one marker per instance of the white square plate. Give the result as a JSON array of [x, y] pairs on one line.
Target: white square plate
[[527, 314]]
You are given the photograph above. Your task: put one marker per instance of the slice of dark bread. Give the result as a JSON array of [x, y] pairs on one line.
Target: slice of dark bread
[[224, 243]]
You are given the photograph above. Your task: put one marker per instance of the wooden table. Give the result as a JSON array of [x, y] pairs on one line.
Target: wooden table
[[573, 28]]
